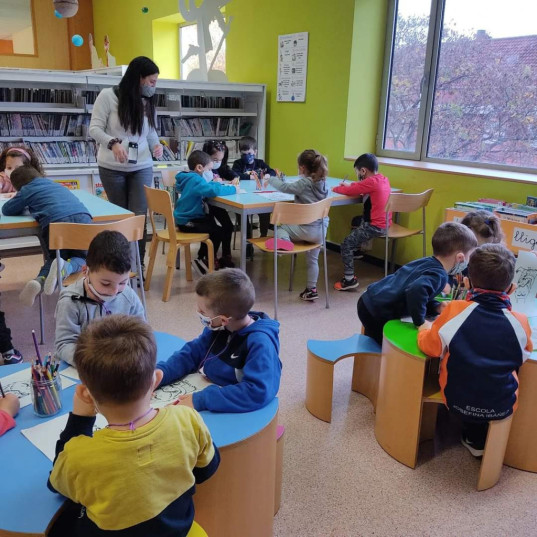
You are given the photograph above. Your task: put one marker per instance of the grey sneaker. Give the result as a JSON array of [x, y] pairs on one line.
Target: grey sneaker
[[475, 450], [31, 290]]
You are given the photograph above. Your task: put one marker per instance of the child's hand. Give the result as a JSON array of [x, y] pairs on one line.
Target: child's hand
[[80, 407], [185, 400], [442, 306], [266, 182], [266, 177], [425, 326], [217, 179], [10, 404], [447, 289], [236, 182], [5, 184]]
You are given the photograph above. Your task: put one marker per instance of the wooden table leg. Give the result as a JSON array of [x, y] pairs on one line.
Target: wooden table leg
[[239, 498]]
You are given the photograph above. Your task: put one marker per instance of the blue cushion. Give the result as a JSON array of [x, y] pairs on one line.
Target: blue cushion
[[333, 350]]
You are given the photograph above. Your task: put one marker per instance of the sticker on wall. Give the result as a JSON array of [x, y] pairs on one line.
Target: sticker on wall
[[524, 239], [292, 67]]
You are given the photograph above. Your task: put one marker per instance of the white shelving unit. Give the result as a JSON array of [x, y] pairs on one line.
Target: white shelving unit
[[252, 99]]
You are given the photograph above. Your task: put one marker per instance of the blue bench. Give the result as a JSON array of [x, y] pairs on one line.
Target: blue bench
[[323, 356]]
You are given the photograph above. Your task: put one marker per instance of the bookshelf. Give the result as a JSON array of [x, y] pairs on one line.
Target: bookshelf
[[50, 112]]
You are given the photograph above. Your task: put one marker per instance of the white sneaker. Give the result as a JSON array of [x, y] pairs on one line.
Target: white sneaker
[[30, 292], [52, 279]]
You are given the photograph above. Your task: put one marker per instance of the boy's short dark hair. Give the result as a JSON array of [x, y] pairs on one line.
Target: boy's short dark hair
[[492, 267], [23, 175], [229, 292], [452, 237], [116, 358], [246, 143], [109, 250], [367, 161], [198, 157]]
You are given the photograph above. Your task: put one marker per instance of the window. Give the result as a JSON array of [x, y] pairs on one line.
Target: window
[[16, 28], [188, 42], [460, 83]]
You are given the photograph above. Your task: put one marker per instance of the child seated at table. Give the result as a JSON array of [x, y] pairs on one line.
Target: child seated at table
[[47, 202], [137, 476], [377, 187], [238, 349], [246, 167], [411, 291], [310, 188], [485, 225], [104, 290], [190, 214], [482, 343], [9, 408]]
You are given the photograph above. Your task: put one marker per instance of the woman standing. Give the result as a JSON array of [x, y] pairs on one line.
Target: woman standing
[[123, 124]]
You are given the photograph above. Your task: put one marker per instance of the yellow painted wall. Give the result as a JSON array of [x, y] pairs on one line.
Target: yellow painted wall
[[52, 42], [166, 48]]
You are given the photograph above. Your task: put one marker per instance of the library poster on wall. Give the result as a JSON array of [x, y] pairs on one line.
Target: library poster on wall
[[292, 67]]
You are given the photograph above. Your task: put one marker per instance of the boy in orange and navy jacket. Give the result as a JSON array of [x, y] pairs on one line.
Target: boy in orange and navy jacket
[[482, 344]]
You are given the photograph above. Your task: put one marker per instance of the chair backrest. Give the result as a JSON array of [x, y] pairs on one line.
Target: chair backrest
[[160, 202], [299, 213], [168, 176], [69, 236], [407, 203]]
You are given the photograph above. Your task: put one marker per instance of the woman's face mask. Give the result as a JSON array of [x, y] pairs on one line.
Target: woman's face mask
[[147, 91]]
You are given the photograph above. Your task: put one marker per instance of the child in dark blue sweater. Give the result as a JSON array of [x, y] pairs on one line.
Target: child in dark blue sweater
[[413, 288], [238, 349], [47, 202]]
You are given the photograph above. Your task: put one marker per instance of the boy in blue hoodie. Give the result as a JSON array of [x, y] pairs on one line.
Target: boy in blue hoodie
[[189, 213], [238, 349]]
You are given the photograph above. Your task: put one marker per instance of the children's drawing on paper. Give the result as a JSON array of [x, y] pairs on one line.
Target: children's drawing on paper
[[168, 394], [524, 297], [526, 282]]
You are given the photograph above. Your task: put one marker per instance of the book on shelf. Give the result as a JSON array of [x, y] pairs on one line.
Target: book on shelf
[[210, 127], [29, 125], [60, 152], [37, 95], [198, 101]]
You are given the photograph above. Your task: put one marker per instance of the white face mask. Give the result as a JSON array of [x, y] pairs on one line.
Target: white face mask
[[216, 164], [102, 298], [207, 322], [208, 175]]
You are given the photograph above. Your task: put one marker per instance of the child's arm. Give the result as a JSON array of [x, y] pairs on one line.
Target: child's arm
[[226, 173], [264, 166], [356, 188], [208, 454], [523, 320], [212, 189], [260, 383], [186, 360], [68, 328], [15, 205], [419, 293], [9, 407], [238, 168], [296, 187]]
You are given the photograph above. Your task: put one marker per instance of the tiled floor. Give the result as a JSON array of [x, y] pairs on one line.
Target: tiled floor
[[337, 479]]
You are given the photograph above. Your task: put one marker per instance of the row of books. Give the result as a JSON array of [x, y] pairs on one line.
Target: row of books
[[14, 124], [37, 95], [515, 212], [199, 127], [78, 152], [187, 146], [198, 101]]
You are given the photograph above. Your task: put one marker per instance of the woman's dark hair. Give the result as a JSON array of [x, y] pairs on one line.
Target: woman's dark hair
[[212, 146], [132, 107]]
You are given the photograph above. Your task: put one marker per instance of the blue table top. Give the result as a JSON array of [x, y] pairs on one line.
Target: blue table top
[[99, 209], [24, 469]]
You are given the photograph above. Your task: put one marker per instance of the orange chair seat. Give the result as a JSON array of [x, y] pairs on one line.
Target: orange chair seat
[[300, 246]]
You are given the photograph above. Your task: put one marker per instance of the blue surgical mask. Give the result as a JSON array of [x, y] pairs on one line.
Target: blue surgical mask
[[147, 91], [248, 158], [207, 322], [208, 175], [458, 268], [216, 164]]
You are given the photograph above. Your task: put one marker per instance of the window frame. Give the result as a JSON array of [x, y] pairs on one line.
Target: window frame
[[428, 84]]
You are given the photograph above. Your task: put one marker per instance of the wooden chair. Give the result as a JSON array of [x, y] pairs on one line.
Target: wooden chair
[[159, 201], [280, 434], [295, 214], [404, 203], [79, 236]]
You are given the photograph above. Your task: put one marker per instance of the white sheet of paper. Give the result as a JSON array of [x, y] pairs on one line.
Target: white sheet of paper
[[19, 384], [276, 196], [523, 299], [45, 435], [243, 191], [168, 394], [70, 372], [406, 319]]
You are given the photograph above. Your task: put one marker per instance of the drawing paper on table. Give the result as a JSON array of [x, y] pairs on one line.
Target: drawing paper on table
[[523, 299], [19, 384], [45, 435], [70, 372], [168, 394], [276, 196]]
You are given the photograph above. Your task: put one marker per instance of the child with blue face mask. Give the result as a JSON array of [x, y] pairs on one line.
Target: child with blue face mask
[[246, 166], [238, 349], [190, 213]]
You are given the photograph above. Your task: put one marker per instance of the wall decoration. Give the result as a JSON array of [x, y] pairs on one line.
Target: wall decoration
[[66, 8], [292, 67], [17, 28]]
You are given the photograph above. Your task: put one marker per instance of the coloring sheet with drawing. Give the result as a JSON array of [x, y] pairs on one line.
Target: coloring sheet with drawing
[[168, 394], [276, 196], [19, 384], [524, 297]]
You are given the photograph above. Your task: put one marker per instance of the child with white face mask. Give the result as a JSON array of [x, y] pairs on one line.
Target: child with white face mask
[[104, 290], [238, 349]]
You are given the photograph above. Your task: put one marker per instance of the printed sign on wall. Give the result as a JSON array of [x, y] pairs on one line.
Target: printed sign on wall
[[292, 67], [524, 239]]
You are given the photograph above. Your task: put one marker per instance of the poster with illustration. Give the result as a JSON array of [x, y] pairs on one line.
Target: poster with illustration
[[292, 67], [524, 298]]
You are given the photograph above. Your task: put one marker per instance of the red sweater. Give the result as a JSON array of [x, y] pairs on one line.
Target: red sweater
[[378, 188], [6, 422]]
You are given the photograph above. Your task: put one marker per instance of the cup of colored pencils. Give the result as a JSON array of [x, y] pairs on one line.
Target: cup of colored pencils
[[46, 385]]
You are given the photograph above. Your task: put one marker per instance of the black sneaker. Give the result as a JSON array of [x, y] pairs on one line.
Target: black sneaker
[[358, 254], [12, 357], [226, 262], [249, 251], [474, 449], [345, 285], [309, 294], [200, 266]]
